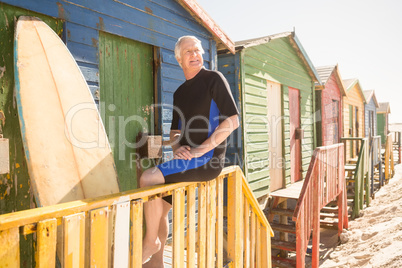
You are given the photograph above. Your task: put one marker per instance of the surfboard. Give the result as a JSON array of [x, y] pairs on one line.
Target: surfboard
[[66, 148]]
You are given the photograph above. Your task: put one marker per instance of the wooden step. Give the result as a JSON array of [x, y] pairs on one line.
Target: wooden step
[[329, 210], [329, 224], [282, 212], [328, 215], [283, 228], [283, 245], [282, 262]]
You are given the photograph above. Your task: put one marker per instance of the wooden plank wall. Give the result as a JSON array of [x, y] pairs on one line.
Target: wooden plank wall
[[367, 108], [328, 94], [229, 66], [354, 98], [158, 24], [278, 62]]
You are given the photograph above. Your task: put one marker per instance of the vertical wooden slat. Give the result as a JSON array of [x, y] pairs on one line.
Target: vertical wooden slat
[[121, 241], [191, 239], [265, 247], [219, 222], [258, 245], [246, 227], [10, 248], [136, 233], [235, 243], [178, 228], [46, 242], [252, 240], [201, 253], [211, 221], [74, 240], [98, 237]]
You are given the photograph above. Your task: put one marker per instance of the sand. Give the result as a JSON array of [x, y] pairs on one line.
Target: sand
[[375, 238]]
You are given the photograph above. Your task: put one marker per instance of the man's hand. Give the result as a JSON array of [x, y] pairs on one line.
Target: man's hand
[[183, 152]]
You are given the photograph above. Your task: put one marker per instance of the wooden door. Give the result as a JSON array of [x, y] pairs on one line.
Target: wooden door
[[351, 129], [295, 145], [335, 121], [126, 99], [356, 115], [275, 136]]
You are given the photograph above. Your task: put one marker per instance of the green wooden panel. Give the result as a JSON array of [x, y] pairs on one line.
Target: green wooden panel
[[127, 96], [381, 127], [15, 192]]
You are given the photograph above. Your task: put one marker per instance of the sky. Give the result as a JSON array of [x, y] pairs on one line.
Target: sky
[[364, 37]]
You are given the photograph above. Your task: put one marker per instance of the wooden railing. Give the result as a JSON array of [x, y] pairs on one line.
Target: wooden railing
[[361, 176], [397, 143], [375, 158], [107, 231], [389, 158], [325, 181]]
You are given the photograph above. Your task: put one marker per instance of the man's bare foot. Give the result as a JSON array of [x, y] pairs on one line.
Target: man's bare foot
[[154, 262], [149, 249]]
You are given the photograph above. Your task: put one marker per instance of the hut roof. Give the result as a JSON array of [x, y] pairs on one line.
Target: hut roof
[[370, 94], [325, 73], [350, 83], [384, 108], [294, 41], [222, 39]]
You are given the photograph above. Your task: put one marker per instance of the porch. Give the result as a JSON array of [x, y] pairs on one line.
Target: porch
[[107, 231]]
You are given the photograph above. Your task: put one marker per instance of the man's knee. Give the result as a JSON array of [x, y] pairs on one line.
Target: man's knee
[[151, 177]]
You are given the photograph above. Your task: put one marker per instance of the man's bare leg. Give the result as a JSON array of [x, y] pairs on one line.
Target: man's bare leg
[[153, 211], [157, 259]]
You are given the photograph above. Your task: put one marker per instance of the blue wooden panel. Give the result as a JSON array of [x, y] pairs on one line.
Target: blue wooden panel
[[48, 7], [81, 34], [90, 71], [83, 53], [170, 85], [172, 71]]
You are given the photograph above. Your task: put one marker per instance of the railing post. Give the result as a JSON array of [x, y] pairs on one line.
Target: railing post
[[316, 217], [235, 250], [178, 228]]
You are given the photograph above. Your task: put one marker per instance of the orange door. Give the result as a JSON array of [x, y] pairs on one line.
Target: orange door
[[295, 146]]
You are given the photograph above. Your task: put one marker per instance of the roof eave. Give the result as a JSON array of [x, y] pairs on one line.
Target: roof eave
[[303, 55], [221, 38]]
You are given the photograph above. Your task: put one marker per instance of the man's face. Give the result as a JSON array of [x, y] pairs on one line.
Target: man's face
[[191, 57]]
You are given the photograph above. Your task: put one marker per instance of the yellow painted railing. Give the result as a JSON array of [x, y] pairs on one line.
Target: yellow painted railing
[[107, 231], [389, 158]]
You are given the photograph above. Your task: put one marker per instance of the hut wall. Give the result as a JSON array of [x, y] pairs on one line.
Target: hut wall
[[229, 65], [331, 113], [276, 61], [370, 107], [354, 99], [157, 25]]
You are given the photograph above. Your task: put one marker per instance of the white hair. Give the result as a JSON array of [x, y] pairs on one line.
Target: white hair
[[177, 47]]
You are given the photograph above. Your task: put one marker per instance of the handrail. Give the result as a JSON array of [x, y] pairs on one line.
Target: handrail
[[361, 175], [325, 181], [389, 158], [375, 157], [244, 220]]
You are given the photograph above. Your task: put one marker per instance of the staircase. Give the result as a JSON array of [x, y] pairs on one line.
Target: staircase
[[294, 213]]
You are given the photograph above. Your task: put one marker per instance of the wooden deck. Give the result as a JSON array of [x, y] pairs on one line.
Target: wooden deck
[[293, 191]]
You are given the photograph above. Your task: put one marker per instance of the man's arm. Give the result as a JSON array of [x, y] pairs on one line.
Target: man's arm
[[223, 131]]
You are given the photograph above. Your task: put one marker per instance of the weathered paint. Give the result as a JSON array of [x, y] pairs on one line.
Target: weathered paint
[[154, 24], [279, 59], [383, 120], [15, 191], [126, 76], [329, 106], [370, 113], [353, 115]]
